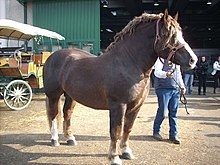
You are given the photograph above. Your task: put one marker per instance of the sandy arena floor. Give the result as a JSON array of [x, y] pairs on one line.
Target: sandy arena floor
[[25, 136]]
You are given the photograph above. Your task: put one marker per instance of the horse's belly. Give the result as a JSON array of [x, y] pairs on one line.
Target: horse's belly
[[94, 104], [90, 98]]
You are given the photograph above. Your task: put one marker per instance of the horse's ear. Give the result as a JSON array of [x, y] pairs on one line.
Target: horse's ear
[[176, 16], [165, 16]]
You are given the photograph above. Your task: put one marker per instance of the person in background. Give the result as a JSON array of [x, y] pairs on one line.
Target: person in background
[[188, 80], [202, 70], [168, 93], [216, 73]]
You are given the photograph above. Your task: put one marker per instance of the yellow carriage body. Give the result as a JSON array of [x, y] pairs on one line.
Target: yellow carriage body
[[30, 70]]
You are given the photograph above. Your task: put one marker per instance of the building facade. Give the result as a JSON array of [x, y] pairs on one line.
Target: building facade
[[77, 20], [13, 10]]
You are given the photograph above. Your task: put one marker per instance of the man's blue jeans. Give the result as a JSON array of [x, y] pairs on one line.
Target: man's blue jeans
[[167, 99], [188, 81]]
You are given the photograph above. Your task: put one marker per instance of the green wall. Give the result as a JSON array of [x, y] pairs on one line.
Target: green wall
[[77, 20]]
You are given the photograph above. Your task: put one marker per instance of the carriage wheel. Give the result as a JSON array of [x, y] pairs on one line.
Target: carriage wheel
[[17, 94]]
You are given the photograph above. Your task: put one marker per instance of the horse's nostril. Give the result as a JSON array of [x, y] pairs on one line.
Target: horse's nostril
[[192, 61]]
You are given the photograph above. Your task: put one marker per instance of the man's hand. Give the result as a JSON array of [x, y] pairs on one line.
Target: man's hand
[[169, 73], [183, 90]]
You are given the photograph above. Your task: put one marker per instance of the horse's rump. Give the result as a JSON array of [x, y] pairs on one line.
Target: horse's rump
[[77, 73]]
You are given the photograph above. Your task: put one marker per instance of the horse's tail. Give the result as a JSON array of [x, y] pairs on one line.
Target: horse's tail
[[58, 117]]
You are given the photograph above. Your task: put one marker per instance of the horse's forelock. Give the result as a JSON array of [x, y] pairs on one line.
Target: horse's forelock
[[170, 28]]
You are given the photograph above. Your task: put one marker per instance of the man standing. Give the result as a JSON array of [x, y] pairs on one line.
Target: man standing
[[167, 91], [202, 71]]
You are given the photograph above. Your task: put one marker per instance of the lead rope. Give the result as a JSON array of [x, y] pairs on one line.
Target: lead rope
[[182, 96]]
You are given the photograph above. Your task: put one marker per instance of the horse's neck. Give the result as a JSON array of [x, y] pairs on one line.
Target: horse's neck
[[138, 48]]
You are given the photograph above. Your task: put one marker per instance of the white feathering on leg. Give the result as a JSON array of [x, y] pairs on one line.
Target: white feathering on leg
[[116, 160], [54, 130]]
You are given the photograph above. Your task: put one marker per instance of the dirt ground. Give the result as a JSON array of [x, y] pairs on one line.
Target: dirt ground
[[25, 136]]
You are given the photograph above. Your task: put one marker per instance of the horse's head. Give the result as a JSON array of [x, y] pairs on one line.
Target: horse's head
[[169, 43]]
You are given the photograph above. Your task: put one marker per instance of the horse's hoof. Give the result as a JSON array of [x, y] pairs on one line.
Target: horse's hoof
[[127, 153], [127, 156], [54, 143], [116, 161], [71, 143]]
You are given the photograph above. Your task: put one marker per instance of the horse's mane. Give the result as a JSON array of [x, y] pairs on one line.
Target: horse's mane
[[131, 26]]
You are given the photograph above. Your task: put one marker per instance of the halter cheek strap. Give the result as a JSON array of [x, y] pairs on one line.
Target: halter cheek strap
[[172, 48], [157, 33]]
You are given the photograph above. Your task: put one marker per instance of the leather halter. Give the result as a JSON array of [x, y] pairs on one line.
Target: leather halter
[[173, 49]]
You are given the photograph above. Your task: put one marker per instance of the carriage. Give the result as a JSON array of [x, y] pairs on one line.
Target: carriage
[[21, 67]]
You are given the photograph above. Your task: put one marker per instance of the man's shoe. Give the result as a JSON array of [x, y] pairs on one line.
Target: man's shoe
[[157, 136], [174, 139]]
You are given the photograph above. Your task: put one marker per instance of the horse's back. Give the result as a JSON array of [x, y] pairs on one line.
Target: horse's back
[[68, 53]]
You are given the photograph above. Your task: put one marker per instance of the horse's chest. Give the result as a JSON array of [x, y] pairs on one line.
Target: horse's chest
[[129, 92], [136, 91]]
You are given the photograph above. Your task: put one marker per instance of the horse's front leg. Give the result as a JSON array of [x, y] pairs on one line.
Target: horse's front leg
[[116, 113], [130, 116], [128, 124], [67, 113]]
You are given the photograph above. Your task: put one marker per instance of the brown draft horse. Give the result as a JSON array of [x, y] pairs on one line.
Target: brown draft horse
[[118, 80]]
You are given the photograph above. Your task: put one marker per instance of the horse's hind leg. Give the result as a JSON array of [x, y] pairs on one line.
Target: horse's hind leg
[[53, 105], [67, 113]]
